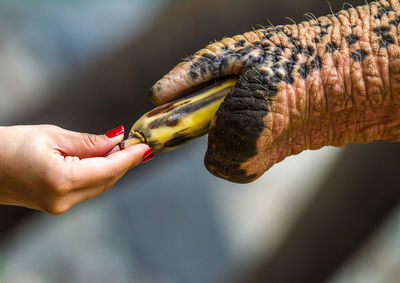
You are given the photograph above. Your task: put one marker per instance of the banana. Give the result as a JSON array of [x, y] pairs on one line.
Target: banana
[[173, 124]]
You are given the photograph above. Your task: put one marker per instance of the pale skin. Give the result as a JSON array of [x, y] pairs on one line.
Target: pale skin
[[51, 169]]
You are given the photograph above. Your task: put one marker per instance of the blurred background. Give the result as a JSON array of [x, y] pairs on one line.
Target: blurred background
[[326, 216]]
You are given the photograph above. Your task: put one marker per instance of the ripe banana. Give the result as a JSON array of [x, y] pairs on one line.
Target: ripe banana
[[173, 124]]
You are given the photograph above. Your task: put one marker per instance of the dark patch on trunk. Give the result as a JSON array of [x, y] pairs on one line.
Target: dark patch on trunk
[[272, 57], [289, 66], [294, 58], [240, 43], [297, 49], [280, 47], [331, 47], [193, 74], [322, 33], [383, 11], [209, 63], [352, 38], [395, 22], [210, 58], [267, 36], [225, 48], [238, 126], [278, 52], [316, 63], [386, 41], [325, 27], [304, 70], [245, 51], [265, 45], [381, 30], [309, 51], [359, 55]]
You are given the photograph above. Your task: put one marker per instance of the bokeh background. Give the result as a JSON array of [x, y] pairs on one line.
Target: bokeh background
[[323, 216]]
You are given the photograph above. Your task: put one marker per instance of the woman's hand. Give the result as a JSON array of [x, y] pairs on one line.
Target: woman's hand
[[328, 81], [51, 169]]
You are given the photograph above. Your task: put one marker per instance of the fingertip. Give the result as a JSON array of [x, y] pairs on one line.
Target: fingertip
[[147, 158], [137, 153], [138, 148], [117, 139], [115, 136], [116, 132]]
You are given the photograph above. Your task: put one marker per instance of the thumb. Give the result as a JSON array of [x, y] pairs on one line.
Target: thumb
[[84, 145]]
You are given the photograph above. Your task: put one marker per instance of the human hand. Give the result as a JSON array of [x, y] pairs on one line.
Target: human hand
[[327, 81], [51, 169]]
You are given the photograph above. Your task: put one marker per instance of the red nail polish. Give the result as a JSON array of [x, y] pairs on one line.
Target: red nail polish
[[148, 158], [115, 132], [147, 152]]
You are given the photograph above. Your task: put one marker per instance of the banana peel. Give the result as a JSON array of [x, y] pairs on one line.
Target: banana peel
[[173, 124]]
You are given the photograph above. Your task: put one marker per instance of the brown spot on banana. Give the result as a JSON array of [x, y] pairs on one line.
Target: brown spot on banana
[[329, 81], [173, 124]]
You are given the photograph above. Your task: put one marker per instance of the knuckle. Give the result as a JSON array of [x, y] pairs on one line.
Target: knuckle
[[90, 140], [56, 206], [61, 187], [49, 128], [57, 183]]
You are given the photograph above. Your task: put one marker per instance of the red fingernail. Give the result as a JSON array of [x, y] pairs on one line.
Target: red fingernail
[[148, 158], [147, 152], [115, 132]]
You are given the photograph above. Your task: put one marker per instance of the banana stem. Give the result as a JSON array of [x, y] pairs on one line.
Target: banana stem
[[130, 141]]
